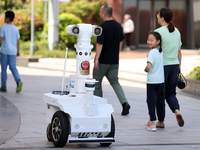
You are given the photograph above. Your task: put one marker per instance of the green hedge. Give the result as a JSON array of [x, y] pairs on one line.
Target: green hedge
[[195, 74], [64, 38], [23, 23], [41, 50]]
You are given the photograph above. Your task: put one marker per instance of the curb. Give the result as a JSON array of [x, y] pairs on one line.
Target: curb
[[193, 87]]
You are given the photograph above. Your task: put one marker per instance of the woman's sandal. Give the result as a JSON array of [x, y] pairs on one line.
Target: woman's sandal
[[148, 124], [160, 124], [151, 128], [180, 120]]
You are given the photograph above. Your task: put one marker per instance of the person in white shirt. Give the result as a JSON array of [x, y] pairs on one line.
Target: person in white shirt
[[155, 81], [128, 28]]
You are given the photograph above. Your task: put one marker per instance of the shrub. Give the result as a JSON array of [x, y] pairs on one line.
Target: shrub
[[41, 45], [23, 22], [195, 73], [11, 5], [66, 40], [41, 50], [24, 48], [56, 54], [88, 10]]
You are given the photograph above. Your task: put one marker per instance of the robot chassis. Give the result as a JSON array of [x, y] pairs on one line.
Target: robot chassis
[[78, 115]]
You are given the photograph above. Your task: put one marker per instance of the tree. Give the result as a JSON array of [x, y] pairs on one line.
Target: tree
[[11, 4]]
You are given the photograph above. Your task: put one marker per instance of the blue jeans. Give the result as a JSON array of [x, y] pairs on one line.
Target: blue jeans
[[11, 61]]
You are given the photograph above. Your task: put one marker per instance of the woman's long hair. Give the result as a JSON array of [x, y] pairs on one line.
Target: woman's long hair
[[167, 14], [158, 37]]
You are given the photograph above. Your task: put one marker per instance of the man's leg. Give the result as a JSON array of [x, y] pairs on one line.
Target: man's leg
[[98, 75], [112, 76]]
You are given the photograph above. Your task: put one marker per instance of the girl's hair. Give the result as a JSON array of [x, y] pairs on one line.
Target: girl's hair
[[167, 14], [158, 37]]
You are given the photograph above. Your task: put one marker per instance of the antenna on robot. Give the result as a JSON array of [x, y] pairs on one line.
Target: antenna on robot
[[63, 80]]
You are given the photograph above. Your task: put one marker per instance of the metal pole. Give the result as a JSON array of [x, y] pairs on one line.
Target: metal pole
[[32, 28]]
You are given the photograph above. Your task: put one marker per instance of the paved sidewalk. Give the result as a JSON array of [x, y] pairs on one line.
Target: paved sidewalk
[[131, 65], [130, 133], [9, 120]]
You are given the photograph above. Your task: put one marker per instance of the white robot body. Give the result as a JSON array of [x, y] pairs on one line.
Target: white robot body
[[83, 66], [83, 47], [80, 114]]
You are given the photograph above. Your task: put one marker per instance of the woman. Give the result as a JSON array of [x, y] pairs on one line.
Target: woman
[[171, 46], [128, 28]]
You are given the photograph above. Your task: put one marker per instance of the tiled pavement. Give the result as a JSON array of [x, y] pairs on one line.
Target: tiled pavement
[[130, 132]]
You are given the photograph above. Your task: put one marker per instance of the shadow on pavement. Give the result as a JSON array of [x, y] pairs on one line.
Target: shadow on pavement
[[9, 120]]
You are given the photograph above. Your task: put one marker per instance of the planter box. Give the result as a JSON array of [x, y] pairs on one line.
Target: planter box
[[193, 87], [22, 61]]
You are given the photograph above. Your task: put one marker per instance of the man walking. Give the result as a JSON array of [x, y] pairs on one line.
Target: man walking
[[106, 62]]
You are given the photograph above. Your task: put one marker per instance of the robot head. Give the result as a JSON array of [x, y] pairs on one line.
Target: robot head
[[80, 28]]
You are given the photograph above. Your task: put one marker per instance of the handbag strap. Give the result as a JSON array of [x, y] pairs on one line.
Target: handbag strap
[[183, 78]]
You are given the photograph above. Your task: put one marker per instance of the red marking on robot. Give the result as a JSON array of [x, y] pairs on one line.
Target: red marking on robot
[[85, 68]]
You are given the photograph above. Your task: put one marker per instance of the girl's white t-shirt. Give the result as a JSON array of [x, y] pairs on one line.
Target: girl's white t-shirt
[[156, 72]]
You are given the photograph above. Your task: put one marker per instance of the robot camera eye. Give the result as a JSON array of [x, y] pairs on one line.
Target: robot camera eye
[[97, 31], [75, 30]]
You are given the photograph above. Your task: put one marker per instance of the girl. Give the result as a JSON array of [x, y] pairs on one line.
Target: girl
[[155, 81]]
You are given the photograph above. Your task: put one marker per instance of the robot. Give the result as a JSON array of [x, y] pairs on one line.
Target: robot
[[76, 115]]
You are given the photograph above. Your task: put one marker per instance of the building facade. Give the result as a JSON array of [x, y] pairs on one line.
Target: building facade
[[143, 13]]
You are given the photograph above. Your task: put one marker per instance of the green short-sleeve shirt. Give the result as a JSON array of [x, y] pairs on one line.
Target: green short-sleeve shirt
[[171, 42]]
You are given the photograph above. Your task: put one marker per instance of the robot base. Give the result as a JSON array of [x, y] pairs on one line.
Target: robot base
[[75, 122]]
